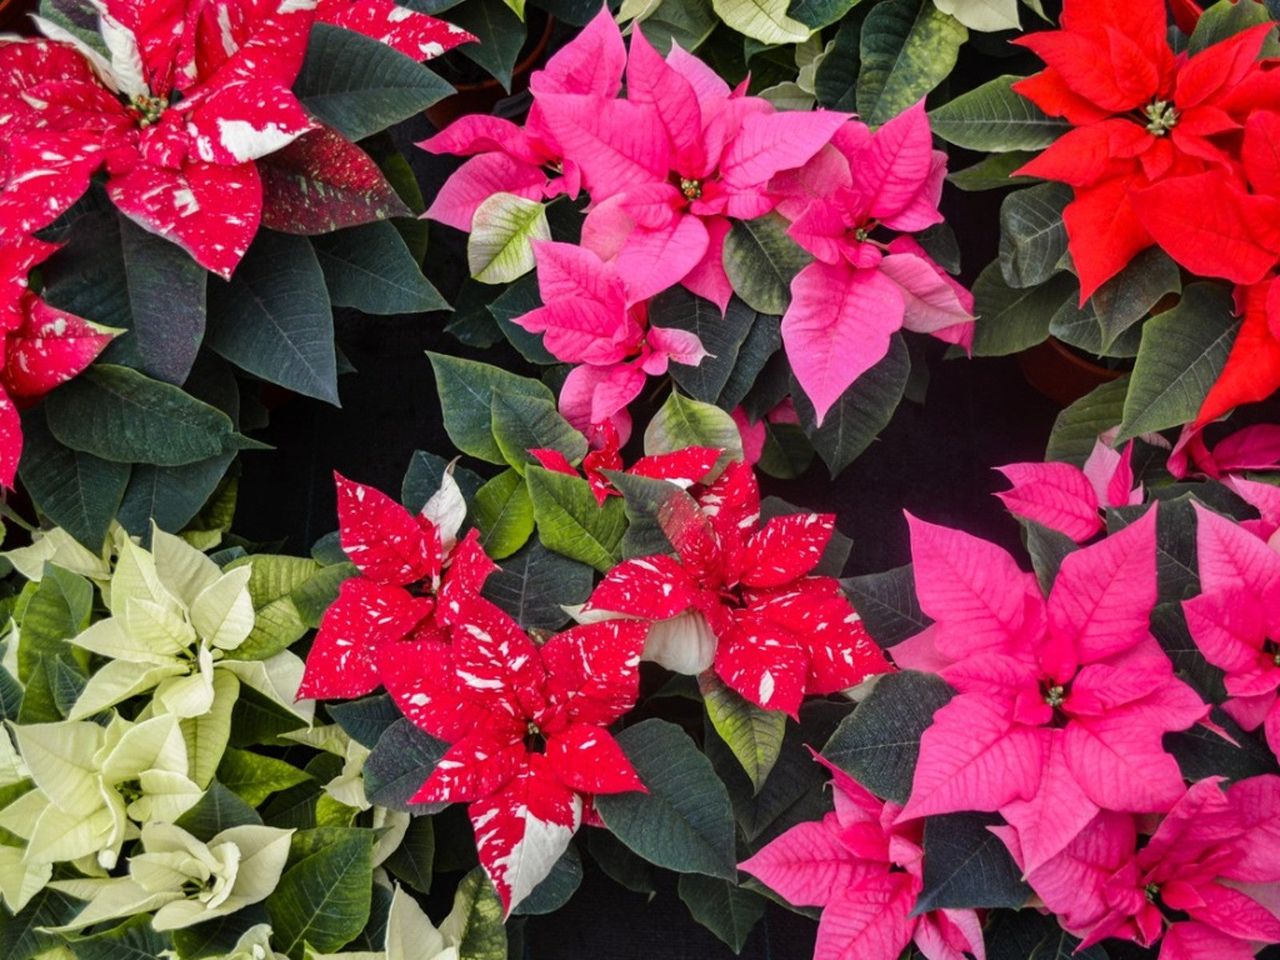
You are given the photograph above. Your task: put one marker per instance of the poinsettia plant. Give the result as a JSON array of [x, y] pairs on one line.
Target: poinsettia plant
[[182, 197], [717, 228]]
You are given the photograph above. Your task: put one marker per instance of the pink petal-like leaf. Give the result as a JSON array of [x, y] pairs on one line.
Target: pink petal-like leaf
[[592, 63], [1051, 819], [807, 865], [771, 142], [477, 180], [1120, 762], [870, 921], [616, 144], [1231, 557], [1056, 495]]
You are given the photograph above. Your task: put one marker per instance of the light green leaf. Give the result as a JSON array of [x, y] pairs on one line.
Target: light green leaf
[[1183, 352], [1033, 237], [466, 400], [504, 514], [206, 735], [763, 20], [571, 522], [993, 118], [908, 47], [323, 899], [254, 777], [682, 422], [522, 423], [984, 15], [500, 247], [754, 735]]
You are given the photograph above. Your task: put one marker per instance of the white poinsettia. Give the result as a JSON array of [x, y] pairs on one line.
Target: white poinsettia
[[183, 880], [20, 879], [412, 936], [347, 787], [95, 784], [175, 619], [254, 944], [61, 549]]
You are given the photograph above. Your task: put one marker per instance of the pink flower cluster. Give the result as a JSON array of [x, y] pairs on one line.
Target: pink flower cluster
[[667, 170], [1057, 723]]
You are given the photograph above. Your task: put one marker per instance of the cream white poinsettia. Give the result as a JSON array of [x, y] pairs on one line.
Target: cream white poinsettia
[[347, 787], [412, 936], [184, 881], [61, 549], [175, 618], [95, 784], [254, 944], [20, 879]]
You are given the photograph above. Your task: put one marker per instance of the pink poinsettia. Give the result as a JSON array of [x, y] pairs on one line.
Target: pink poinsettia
[[1062, 702], [590, 317], [681, 467], [527, 728], [1197, 886], [669, 166], [410, 567], [743, 599], [176, 133], [1235, 620], [865, 870], [1063, 497], [851, 207]]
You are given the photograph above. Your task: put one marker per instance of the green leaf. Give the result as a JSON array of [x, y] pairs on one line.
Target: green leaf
[[1009, 320], [322, 901], [1202, 752], [723, 907], [533, 584], [273, 317], [820, 13], [571, 522], [761, 261], [887, 604], [166, 304], [642, 498], [688, 23], [206, 735], [466, 401], [254, 777], [315, 596], [480, 933], [77, 16], [861, 412], [515, 301], [277, 623], [402, 759], [367, 719], [1048, 548], [371, 269], [879, 743], [120, 415], [966, 866], [1224, 20], [1031, 935], [411, 863], [500, 245], [764, 341], [908, 47], [993, 172], [1129, 296], [1075, 431], [1033, 237], [621, 865], [681, 422], [753, 734], [1183, 352], [555, 889], [1079, 327], [836, 79], [722, 337], [993, 119], [504, 514], [22, 936], [77, 491], [684, 822], [763, 20], [359, 85], [522, 423], [1169, 627], [170, 496], [501, 34], [132, 940]]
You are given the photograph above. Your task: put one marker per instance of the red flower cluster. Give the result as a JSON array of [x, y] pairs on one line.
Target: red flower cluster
[[744, 599]]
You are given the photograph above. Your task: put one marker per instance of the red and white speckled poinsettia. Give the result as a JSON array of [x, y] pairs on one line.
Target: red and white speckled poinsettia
[[744, 599], [410, 566], [412, 33], [527, 728]]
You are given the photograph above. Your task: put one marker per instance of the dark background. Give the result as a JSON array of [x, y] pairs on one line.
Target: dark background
[[934, 460]]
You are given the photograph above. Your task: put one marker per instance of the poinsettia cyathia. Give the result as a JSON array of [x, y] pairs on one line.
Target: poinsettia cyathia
[[744, 600], [1062, 702], [527, 729], [409, 566]]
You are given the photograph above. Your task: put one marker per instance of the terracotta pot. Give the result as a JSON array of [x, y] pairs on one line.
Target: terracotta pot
[[1060, 373], [14, 17], [483, 96]]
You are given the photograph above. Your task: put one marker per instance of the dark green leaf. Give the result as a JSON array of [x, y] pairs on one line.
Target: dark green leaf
[[322, 901], [1224, 20], [370, 268], [21, 936], [1032, 935], [966, 866], [367, 719], [1169, 626], [721, 335], [555, 889], [1009, 320], [466, 400], [402, 759], [993, 173], [1033, 237], [888, 604], [501, 34], [1048, 548], [621, 865], [170, 496], [521, 423], [426, 474], [992, 118], [219, 809], [412, 861], [723, 907], [132, 940], [533, 585], [761, 261], [1201, 752], [907, 47], [836, 79], [1076, 430]]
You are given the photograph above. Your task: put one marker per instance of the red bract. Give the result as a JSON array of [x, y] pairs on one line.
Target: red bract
[[741, 598], [1235, 621], [1062, 701], [866, 871], [682, 467], [400, 592], [1145, 117], [526, 726], [412, 33], [1191, 886]]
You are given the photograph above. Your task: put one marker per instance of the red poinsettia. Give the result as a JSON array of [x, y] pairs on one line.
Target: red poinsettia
[[410, 568], [527, 728], [1143, 116], [682, 467], [744, 599]]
